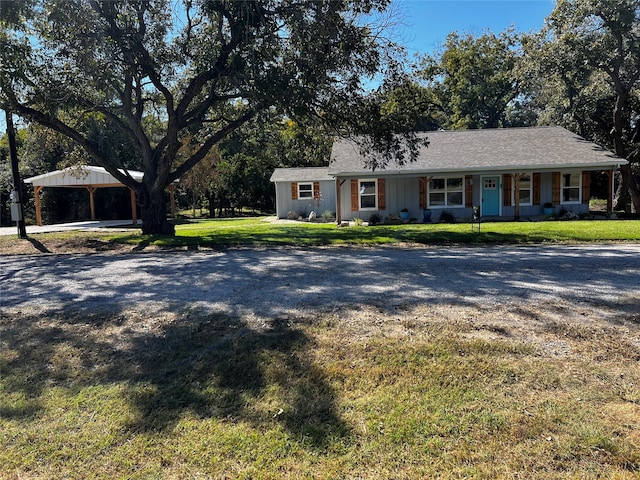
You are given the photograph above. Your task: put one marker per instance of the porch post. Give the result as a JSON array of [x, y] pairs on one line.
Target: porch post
[[338, 205], [610, 177], [516, 187]]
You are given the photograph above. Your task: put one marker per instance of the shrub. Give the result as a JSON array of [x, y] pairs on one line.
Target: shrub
[[328, 215], [374, 219], [568, 216], [393, 219], [447, 217]]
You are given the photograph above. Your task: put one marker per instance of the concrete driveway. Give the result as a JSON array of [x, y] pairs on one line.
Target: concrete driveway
[[63, 227], [272, 282]]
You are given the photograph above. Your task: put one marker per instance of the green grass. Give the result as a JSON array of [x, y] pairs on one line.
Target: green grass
[[214, 397], [255, 232], [131, 396]]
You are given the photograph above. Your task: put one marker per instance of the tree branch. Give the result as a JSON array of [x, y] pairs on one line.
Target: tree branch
[[209, 144]]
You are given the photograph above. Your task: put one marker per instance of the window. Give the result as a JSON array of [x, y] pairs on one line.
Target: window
[[446, 192], [525, 191], [571, 183], [490, 184], [367, 191], [305, 190]]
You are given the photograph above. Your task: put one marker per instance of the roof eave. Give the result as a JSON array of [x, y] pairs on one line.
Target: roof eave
[[615, 163]]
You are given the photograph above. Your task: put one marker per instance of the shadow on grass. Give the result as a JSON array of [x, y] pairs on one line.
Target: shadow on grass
[[38, 245], [213, 366], [325, 234], [312, 237], [358, 237]]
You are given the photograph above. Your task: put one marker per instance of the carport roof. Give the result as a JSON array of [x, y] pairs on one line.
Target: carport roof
[[80, 177]]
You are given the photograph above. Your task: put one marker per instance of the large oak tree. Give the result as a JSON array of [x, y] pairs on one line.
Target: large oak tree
[[162, 71]]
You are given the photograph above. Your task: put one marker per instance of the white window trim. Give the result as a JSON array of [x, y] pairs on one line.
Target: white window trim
[[513, 191], [375, 195], [446, 198], [579, 187], [300, 197]]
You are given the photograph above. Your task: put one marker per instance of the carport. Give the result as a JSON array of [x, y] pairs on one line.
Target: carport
[[89, 177]]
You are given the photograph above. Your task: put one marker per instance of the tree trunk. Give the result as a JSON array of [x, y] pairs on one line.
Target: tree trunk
[[212, 204], [627, 188], [221, 201], [627, 184], [154, 211]]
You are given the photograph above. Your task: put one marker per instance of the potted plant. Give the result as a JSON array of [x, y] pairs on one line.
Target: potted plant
[[404, 214], [547, 208]]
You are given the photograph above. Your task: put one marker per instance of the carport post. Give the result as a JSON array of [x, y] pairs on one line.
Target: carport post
[[92, 203], [134, 210], [36, 196]]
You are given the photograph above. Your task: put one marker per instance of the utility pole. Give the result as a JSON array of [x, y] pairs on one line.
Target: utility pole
[[17, 210]]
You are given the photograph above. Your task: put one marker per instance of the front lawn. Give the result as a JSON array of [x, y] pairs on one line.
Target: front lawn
[[259, 232], [244, 232], [357, 394], [436, 391]]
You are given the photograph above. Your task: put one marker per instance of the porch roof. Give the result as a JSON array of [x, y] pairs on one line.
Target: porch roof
[[503, 149], [304, 174]]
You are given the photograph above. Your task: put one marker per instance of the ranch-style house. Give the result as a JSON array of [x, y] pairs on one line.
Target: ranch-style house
[[510, 172]]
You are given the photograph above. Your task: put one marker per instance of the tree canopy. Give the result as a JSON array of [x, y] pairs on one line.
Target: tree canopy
[[473, 79], [162, 72], [583, 72]]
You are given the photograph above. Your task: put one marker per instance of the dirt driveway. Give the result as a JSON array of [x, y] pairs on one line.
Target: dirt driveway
[[537, 294], [272, 282]]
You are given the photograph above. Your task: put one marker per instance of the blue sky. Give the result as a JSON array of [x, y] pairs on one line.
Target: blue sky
[[428, 22], [425, 24]]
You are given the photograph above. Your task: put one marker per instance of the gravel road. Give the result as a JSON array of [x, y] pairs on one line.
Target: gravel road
[[272, 282]]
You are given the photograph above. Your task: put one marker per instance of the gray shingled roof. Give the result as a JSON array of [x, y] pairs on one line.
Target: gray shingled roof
[[521, 149], [303, 174]]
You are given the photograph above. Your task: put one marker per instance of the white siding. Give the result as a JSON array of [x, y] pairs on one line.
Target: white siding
[[285, 204]]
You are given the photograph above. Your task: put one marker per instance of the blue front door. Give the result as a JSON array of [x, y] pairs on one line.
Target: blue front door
[[490, 196]]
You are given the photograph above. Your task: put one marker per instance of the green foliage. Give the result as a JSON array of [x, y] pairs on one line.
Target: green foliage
[[251, 153], [41, 150], [196, 68], [375, 219], [583, 72], [447, 217], [237, 172], [412, 107], [473, 80]]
